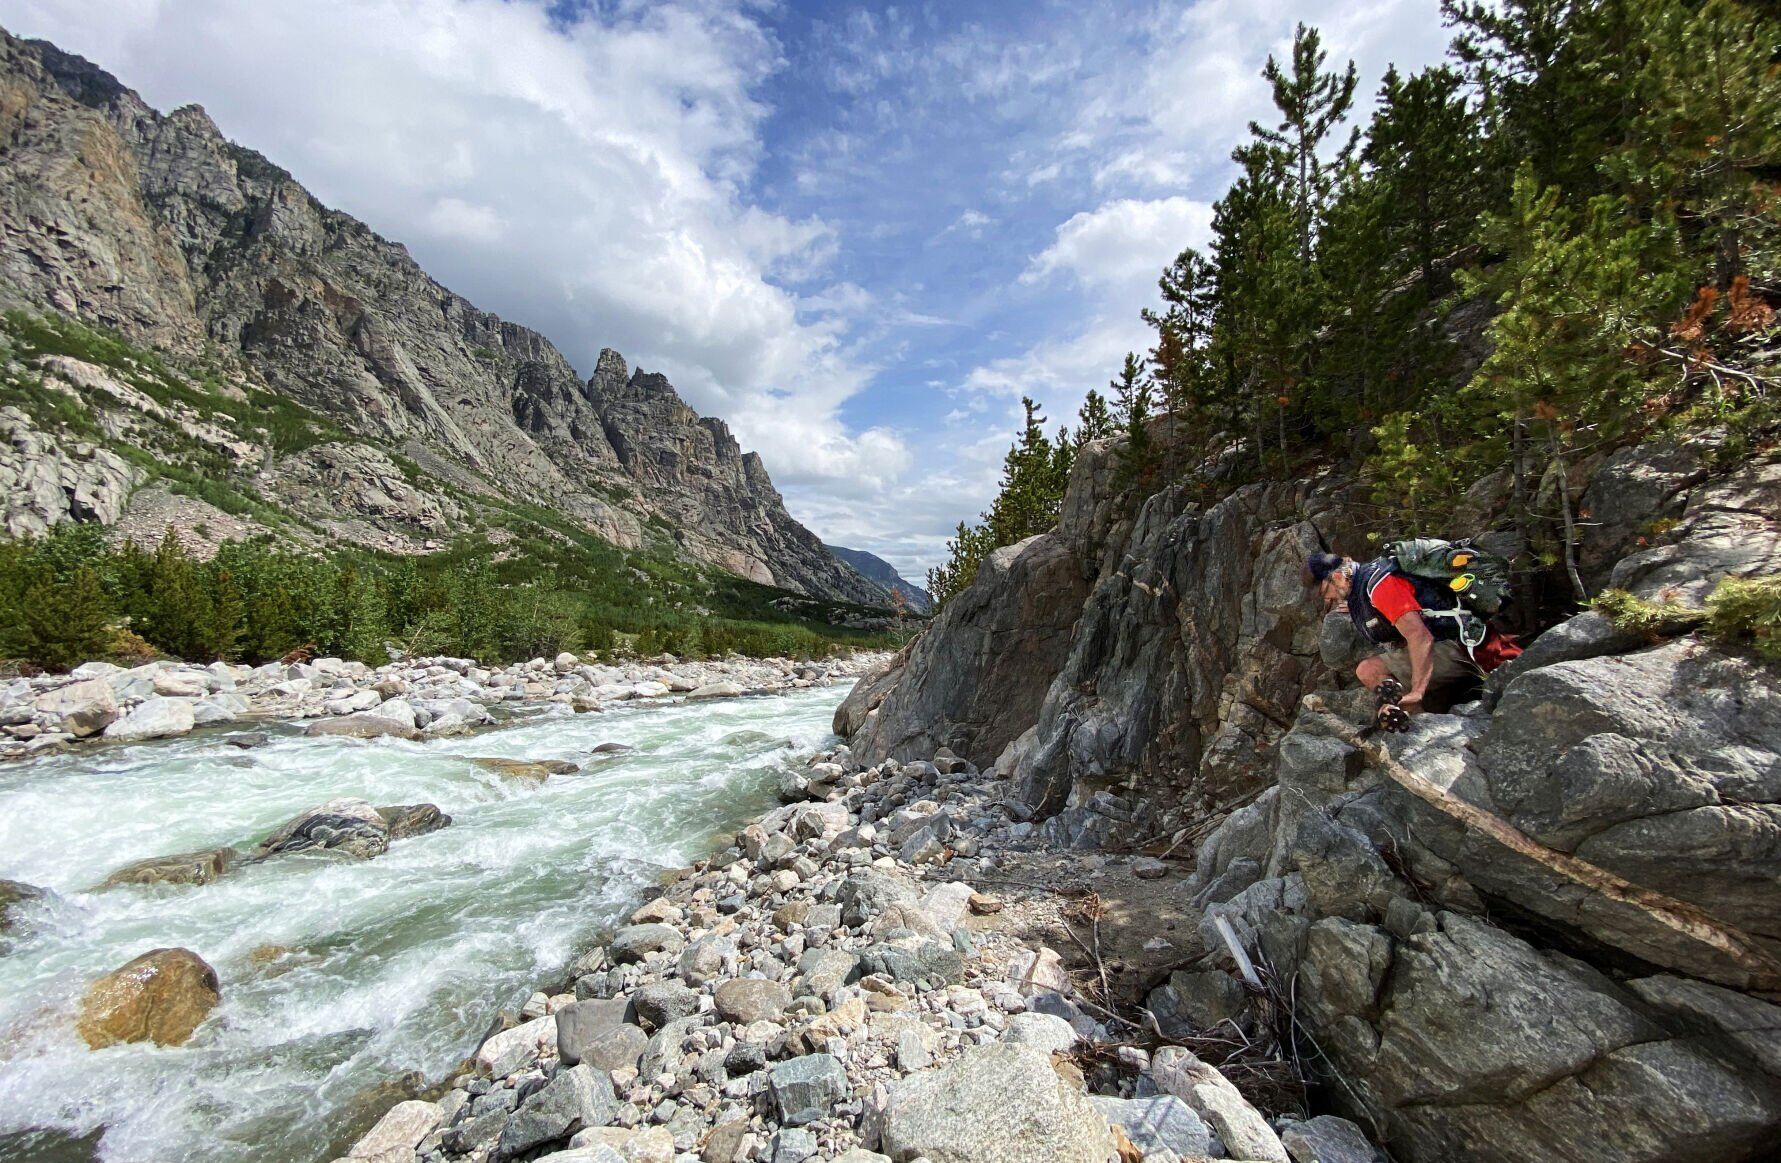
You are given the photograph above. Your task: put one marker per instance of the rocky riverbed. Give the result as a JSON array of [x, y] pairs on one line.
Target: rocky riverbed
[[857, 977], [356, 953], [420, 698]]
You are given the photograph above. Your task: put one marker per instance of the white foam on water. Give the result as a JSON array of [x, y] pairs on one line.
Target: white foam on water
[[397, 963]]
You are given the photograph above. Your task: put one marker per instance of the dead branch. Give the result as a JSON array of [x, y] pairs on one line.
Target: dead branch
[[1759, 971]]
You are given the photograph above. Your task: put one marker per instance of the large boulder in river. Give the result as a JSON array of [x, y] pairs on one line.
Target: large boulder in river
[[347, 826], [160, 997], [201, 867], [407, 820], [14, 893], [155, 718], [995, 1102], [523, 769]]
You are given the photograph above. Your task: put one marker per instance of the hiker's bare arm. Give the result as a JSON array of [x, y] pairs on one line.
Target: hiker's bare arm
[[1420, 644]]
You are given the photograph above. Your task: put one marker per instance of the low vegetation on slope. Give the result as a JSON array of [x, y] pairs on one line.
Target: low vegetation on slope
[[1559, 242]]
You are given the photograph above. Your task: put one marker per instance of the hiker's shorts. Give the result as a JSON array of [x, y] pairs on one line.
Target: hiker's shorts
[[1456, 679]]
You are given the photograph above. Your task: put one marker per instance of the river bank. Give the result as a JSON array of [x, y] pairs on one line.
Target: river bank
[[867, 972], [344, 982], [419, 698]]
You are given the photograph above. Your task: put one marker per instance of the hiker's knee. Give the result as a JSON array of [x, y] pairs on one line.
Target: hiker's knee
[[1372, 671]]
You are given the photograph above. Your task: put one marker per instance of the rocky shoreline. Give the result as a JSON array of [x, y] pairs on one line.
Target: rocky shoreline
[[835, 985], [417, 699]]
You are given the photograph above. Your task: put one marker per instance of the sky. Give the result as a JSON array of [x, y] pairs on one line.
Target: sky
[[859, 233]]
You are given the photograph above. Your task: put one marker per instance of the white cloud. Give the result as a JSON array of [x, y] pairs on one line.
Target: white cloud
[[583, 178], [456, 218], [1123, 243]]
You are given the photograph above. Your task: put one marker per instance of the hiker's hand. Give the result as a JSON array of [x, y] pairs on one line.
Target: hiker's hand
[[1412, 704]]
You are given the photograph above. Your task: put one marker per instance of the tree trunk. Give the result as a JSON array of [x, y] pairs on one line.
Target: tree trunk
[[1570, 525]]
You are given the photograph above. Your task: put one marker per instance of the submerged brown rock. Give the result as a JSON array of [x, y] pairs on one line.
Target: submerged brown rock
[[160, 997]]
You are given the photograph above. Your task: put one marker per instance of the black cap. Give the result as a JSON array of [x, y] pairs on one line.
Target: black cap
[[1322, 565]]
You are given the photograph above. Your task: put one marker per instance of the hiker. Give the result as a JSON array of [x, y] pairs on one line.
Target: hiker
[[1426, 602]]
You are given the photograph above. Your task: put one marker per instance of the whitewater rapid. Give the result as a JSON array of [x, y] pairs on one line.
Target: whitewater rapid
[[394, 965]]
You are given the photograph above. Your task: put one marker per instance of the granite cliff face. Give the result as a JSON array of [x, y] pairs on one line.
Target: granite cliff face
[[158, 227], [1542, 927]]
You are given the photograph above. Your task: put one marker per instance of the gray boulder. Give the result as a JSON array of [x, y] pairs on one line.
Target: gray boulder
[[806, 1089], [614, 1049], [200, 867], [155, 718], [581, 1023], [347, 827], [392, 718], [994, 1104], [662, 1002], [576, 1098], [751, 999], [1327, 1139], [86, 707], [1658, 766], [405, 820], [635, 942], [1160, 1123]]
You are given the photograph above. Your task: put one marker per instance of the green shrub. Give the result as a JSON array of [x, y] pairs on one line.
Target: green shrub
[[1747, 609]]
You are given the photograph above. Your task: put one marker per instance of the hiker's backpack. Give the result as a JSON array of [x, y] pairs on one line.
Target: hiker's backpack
[[1478, 580]]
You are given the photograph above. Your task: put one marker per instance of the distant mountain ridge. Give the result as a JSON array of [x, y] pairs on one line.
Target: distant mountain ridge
[[438, 416], [881, 572]]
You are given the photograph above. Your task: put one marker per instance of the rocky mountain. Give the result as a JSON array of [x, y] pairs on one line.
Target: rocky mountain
[[405, 411], [1540, 927], [875, 569]]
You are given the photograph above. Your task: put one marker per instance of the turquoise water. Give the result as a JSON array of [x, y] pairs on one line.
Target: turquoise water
[[397, 964]]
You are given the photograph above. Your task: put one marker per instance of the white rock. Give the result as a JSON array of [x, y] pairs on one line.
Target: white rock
[[1245, 1132], [947, 904], [158, 718], [401, 1129], [1047, 1031], [85, 707], [717, 690], [1039, 971], [179, 684], [518, 1048]]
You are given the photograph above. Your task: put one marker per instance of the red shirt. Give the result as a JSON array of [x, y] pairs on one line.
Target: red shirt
[[1394, 597]]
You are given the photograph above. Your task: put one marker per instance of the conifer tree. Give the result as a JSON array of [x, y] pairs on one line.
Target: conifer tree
[[1312, 104], [1094, 421], [66, 621], [1132, 402]]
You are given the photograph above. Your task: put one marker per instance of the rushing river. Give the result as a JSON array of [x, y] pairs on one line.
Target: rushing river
[[396, 965]]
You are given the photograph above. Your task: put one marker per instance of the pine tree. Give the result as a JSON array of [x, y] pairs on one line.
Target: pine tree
[[1571, 291], [1311, 103], [368, 627], [175, 600], [1132, 401], [1705, 142], [66, 620], [1094, 421], [1184, 334], [1422, 147], [216, 630]]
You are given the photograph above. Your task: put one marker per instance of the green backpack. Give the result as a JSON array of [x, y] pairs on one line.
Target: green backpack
[[1479, 580]]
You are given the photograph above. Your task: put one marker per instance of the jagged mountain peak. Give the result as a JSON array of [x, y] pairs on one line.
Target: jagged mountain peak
[[160, 228]]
